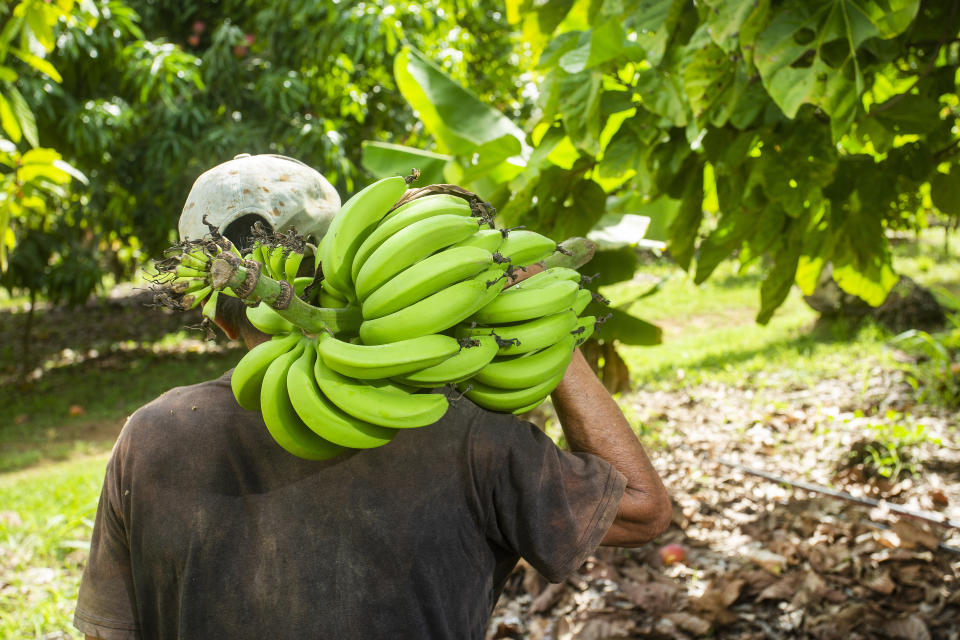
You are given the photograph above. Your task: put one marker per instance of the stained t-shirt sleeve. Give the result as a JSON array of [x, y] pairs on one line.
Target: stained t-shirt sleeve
[[549, 506], [105, 605]]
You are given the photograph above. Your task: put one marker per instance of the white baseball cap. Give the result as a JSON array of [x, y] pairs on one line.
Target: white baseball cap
[[284, 192]]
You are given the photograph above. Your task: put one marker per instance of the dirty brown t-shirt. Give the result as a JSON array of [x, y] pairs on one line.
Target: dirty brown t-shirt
[[207, 529]]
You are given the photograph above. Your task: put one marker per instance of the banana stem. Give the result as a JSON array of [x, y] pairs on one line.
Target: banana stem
[[249, 284]]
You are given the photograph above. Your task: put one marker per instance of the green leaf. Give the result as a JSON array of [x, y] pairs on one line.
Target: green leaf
[[683, 231], [655, 21], [945, 193], [663, 94], [731, 229], [624, 327], [28, 124], [725, 19], [7, 74], [611, 266], [779, 279], [457, 119], [908, 113], [797, 67], [38, 63], [383, 159], [9, 121], [552, 13], [603, 43], [579, 107], [707, 78]]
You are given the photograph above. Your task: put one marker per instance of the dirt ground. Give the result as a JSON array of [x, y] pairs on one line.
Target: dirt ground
[[762, 559]]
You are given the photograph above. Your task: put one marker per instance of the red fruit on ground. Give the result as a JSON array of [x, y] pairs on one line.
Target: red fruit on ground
[[672, 554], [76, 410], [193, 40]]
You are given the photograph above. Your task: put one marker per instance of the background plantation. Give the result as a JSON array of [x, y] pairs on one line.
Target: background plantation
[[774, 145]]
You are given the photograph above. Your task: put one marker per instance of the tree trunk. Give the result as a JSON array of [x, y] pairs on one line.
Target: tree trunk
[[27, 338]]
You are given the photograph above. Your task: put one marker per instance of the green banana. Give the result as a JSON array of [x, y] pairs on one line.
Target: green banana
[[379, 402], [436, 312], [456, 368], [424, 278], [267, 320], [489, 239], [519, 372], [508, 400], [372, 362], [183, 271], [194, 299], [552, 274], [525, 337], [521, 302], [530, 407], [525, 247], [331, 301], [352, 224], [408, 246], [275, 261], [210, 306], [291, 265], [584, 329], [247, 376], [405, 215], [322, 416], [584, 297], [300, 284], [282, 421]]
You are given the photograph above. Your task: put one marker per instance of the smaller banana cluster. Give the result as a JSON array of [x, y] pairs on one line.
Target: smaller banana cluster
[[404, 298], [537, 326]]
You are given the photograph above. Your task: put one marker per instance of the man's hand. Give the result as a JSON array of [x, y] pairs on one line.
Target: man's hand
[[593, 423]]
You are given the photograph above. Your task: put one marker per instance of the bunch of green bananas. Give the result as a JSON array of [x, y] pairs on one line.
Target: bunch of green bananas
[[408, 298]]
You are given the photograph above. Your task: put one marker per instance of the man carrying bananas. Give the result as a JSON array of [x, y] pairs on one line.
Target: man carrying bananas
[[207, 528]]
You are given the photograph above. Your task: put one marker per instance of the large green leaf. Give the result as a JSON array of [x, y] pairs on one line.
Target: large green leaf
[[601, 44], [685, 227], [725, 19], [807, 54], [779, 279], [579, 106], [611, 266], [383, 159], [945, 193], [458, 120], [622, 326]]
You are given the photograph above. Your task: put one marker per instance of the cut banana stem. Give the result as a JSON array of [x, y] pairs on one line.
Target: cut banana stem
[[226, 272]]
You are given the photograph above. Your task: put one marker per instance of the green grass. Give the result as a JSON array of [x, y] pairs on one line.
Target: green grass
[[45, 524], [38, 424]]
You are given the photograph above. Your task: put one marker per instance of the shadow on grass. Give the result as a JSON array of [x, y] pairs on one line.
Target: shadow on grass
[[824, 332], [80, 408]]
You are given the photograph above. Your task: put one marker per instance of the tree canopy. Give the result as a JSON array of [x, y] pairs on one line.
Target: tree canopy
[[783, 133]]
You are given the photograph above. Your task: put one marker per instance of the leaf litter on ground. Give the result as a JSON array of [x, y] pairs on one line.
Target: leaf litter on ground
[[765, 560]]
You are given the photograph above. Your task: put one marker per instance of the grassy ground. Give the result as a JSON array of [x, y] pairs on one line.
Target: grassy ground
[[56, 433]]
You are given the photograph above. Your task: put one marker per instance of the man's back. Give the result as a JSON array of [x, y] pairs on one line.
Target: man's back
[[230, 536]]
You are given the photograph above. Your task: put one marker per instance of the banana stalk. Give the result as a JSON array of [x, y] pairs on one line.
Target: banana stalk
[[249, 284]]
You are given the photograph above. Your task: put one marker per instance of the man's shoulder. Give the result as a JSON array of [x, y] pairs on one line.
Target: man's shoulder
[[183, 411]]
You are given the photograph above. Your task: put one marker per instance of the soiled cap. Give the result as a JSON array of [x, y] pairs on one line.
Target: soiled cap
[[284, 192]]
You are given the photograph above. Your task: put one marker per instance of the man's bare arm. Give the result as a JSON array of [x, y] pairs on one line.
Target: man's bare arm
[[593, 423]]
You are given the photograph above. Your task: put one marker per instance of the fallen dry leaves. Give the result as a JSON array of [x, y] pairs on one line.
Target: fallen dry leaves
[[764, 560]]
